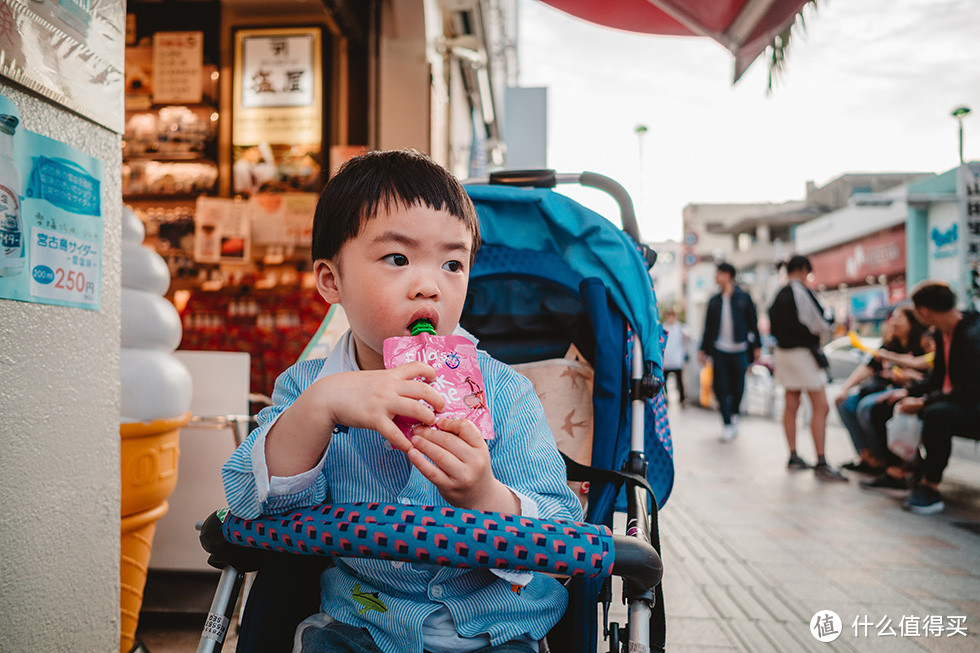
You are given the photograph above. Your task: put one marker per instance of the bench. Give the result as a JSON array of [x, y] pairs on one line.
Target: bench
[[966, 448]]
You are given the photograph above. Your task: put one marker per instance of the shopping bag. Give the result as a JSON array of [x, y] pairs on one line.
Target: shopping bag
[[904, 433], [707, 377]]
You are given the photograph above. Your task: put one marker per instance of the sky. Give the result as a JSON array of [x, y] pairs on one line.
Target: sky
[[869, 86]]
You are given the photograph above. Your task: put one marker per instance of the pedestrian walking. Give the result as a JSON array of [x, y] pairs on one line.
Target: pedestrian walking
[[731, 341], [675, 351], [799, 322]]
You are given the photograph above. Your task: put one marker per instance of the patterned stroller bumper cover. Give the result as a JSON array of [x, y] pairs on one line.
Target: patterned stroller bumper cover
[[449, 537]]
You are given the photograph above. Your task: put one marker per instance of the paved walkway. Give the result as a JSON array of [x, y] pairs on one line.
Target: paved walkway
[[752, 551]]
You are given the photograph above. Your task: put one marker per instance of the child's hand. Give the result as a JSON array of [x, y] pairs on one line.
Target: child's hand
[[460, 466], [366, 399], [372, 399]]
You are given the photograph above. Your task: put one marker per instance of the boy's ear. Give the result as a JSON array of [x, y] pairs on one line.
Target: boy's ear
[[326, 271]]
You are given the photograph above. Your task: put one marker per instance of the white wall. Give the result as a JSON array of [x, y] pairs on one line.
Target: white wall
[[59, 438], [848, 224], [668, 274], [945, 258], [403, 78]]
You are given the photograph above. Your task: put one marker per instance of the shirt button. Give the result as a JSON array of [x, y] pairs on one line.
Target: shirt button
[[397, 564], [404, 501], [436, 592], [389, 446]]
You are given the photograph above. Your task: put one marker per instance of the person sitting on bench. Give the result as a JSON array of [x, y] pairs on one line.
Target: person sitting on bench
[[948, 400]]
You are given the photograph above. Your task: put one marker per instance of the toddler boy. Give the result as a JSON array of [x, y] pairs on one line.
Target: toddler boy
[[394, 236]]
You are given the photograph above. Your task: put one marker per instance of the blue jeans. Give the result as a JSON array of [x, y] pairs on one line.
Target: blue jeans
[[342, 638], [729, 381], [855, 413]]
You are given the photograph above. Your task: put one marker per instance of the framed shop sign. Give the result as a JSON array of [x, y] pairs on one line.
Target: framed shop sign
[[278, 86], [178, 65]]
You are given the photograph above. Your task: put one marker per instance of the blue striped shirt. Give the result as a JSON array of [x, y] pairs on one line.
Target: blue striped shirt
[[360, 465]]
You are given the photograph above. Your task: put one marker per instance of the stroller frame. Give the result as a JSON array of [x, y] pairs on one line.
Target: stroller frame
[[637, 553]]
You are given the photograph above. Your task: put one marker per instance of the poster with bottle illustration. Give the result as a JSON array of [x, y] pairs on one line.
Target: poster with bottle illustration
[[50, 218]]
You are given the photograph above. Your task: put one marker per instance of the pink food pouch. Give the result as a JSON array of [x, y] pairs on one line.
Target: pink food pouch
[[458, 376]]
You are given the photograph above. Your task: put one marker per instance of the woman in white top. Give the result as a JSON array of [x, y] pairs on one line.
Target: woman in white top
[[675, 351]]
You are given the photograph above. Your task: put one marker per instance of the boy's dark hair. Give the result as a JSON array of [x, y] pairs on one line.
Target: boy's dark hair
[[798, 262], [934, 295], [727, 268], [385, 179]]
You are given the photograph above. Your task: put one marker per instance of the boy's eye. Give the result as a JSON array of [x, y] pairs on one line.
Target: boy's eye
[[396, 259], [453, 266]]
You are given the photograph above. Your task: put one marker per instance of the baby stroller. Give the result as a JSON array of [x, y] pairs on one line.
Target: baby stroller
[[552, 277]]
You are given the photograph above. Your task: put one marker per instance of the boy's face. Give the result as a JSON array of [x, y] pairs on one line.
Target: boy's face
[[405, 264]]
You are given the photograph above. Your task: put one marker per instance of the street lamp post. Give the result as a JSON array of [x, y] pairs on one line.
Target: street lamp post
[[960, 113], [640, 131]]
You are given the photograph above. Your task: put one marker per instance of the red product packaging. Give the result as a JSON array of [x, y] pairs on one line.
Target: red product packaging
[[458, 376]]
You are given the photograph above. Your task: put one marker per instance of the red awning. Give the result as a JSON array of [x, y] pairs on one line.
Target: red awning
[[745, 27]]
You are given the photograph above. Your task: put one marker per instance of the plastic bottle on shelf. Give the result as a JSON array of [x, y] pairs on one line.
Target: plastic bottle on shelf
[[11, 225]]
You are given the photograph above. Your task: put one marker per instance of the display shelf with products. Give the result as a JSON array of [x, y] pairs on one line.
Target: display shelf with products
[[156, 180], [209, 240], [172, 132], [239, 265], [273, 325], [170, 152], [170, 138], [170, 231]]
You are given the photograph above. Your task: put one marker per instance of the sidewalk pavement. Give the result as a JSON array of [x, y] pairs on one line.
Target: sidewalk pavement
[[753, 551]]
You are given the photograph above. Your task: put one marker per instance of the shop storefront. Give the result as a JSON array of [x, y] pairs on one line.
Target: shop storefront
[[861, 278], [231, 125], [944, 231], [859, 255], [235, 115]]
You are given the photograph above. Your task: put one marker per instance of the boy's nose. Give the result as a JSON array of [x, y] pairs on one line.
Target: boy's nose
[[425, 286]]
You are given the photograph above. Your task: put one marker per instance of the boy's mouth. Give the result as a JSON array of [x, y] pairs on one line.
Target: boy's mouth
[[422, 322]]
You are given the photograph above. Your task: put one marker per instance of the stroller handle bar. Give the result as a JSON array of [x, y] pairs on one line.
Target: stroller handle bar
[[550, 179], [439, 535]]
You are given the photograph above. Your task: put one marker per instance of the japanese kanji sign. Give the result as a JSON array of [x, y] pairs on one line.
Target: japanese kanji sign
[[178, 63], [277, 86], [969, 200], [277, 70]]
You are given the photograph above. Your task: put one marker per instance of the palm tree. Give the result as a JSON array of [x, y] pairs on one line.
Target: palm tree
[[779, 49]]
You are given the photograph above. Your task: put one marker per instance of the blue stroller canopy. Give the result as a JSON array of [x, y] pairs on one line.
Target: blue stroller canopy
[[545, 221]]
